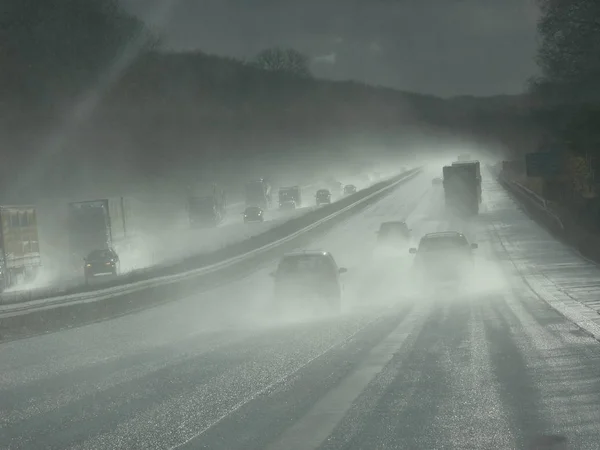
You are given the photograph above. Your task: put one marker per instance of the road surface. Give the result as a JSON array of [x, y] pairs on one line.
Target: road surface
[[496, 367]]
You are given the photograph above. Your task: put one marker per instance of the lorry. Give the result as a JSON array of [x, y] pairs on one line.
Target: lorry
[[477, 169], [464, 157], [290, 194], [97, 225], [461, 189], [206, 208], [20, 258], [258, 193]]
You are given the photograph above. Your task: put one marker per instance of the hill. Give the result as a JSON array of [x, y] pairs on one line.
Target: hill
[[183, 115]]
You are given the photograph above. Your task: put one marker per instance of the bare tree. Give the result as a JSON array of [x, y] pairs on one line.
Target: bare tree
[[283, 60], [569, 52]]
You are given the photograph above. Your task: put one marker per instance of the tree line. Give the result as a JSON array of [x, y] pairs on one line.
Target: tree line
[[87, 92], [567, 93]]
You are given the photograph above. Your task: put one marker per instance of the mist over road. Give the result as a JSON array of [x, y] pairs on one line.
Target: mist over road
[[493, 367]]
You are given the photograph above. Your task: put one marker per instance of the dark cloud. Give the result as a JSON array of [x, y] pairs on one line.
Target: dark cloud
[[445, 47]]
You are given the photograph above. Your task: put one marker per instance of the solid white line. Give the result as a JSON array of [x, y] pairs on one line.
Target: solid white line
[[315, 427]]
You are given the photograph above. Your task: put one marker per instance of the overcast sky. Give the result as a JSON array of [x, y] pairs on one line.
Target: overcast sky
[[442, 47]]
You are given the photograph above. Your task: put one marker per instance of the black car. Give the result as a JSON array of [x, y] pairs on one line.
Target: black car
[[393, 233], [323, 197], [253, 214], [349, 189], [303, 277], [101, 262], [444, 256]]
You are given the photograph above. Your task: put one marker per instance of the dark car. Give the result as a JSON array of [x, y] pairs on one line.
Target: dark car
[[101, 262], [393, 233], [437, 181], [444, 256], [303, 277], [253, 214], [323, 197], [349, 189]]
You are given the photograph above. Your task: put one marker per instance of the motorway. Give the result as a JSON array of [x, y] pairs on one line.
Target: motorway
[[163, 248], [494, 368]]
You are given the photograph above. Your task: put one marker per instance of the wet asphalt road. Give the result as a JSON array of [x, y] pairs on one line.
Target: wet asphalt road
[[493, 367]]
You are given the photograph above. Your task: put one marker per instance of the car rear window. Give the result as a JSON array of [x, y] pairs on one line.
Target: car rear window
[[388, 228], [100, 255], [305, 264], [443, 243]]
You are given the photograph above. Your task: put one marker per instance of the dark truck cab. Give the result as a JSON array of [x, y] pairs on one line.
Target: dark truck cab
[[206, 207], [205, 211], [290, 197], [258, 193], [323, 197]]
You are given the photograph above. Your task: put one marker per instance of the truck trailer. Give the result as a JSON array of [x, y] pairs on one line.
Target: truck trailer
[[477, 169], [461, 189], [20, 258]]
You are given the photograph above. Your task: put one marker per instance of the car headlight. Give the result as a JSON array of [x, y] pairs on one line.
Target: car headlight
[[88, 265]]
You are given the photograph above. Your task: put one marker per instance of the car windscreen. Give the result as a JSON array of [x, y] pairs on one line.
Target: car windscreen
[[436, 244]]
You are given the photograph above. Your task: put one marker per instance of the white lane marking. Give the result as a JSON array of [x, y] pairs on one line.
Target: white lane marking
[[316, 426], [278, 381]]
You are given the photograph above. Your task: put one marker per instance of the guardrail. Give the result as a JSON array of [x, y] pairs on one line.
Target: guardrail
[[531, 199], [210, 263], [74, 287]]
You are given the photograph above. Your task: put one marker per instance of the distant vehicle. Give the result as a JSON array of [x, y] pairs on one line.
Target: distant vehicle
[[206, 207], [437, 181], [253, 214], [444, 256], [101, 262], [290, 197], [287, 205], [258, 193], [472, 166], [464, 157], [20, 258], [394, 234], [90, 226], [115, 222], [461, 189], [349, 189], [303, 277], [323, 197]]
